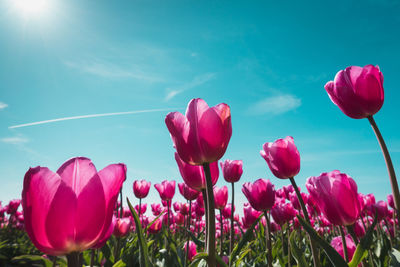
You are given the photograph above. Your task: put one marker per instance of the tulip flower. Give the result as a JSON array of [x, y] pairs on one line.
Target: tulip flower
[[283, 213], [358, 92], [156, 226], [156, 209], [336, 195], [390, 201], [140, 209], [141, 188], [166, 190], [201, 137], [190, 249], [249, 215], [232, 171], [122, 226], [71, 210], [282, 157], [187, 192], [220, 197], [261, 196], [194, 176], [12, 206], [381, 210]]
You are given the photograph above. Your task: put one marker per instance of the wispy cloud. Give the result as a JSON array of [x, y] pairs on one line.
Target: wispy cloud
[[111, 70], [275, 105], [197, 81], [90, 116], [15, 140], [3, 105]]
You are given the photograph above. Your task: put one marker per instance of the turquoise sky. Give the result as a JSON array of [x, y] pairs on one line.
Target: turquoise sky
[[268, 60]]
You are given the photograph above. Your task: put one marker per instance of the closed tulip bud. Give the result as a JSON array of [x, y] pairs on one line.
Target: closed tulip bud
[[282, 213], [220, 197], [156, 209], [260, 194], [141, 188], [194, 176], [380, 208], [187, 192], [390, 201], [232, 170], [250, 215], [192, 249], [357, 91], [226, 212], [177, 206], [143, 208], [282, 157], [336, 195], [202, 135], [52, 202], [166, 190], [122, 227], [13, 205]]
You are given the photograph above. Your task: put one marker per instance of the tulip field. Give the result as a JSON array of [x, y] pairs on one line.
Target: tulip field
[[78, 216]]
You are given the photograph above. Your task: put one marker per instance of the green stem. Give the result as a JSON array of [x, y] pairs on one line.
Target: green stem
[[187, 233], [268, 239], [203, 191], [221, 225], [92, 257], [305, 213], [350, 230], [120, 209], [140, 207], [289, 252], [389, 164], [346, 255], [211, 217]]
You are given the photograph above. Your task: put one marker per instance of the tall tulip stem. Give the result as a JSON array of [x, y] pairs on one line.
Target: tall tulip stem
[[73, 259], [268, 239], [389, 165], [211, 217], [346, 255], [303, 208], [232, 227], [206, 214], [187, 233], [221, 225], [140, 207]]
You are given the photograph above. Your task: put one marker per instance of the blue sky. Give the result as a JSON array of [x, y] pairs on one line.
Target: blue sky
[[268, 61]]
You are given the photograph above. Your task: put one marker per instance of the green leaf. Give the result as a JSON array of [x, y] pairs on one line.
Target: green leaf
[[245, 238], [364, 245], [394, 257], [144, 253], [332, 254], [197, 258], [32, 260], [153, 221], [197, 241], [119, 263], [296, 251]]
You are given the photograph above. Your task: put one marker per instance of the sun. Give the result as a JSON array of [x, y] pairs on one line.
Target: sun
[[31, 8]]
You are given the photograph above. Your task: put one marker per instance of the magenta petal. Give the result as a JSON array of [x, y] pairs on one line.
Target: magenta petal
[[60, 221], [40, 186], [112, 178], [77, 172], [90, 215]]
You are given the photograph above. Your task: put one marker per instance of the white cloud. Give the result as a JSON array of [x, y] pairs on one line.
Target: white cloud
[[197, 81], [110, 70], [275, 105], [3, 105], [15, 140]]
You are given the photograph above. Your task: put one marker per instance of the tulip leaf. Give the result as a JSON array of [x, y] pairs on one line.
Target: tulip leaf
[[197, 258], [333, 256], [245, 238], [364, 245], [298, 255], [144, 254], [197, 241], [153, 221], [32, 260], [119, 263], [394, 257]]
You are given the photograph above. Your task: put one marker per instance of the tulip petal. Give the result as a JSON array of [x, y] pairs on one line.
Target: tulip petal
[[77, 172], [40, 186]]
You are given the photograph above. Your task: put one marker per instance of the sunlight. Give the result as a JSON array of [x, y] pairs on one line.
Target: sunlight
[[32, 8]]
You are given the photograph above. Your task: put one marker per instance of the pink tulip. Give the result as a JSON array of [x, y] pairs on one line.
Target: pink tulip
[[381, 210], [357, 91], [187, 192], [107, 235], [166, 190], [177, 206], [282, 157], [70, 210], [250, 215], [260, 194], [143, 208], [122, 226], [390, 201], [194, 176], [336, 195], [232, 170], [156, 226], [283, 213], [227, 211], [156, 209], [202, 135], [192, 249], [359, 229], [13, 205], [220, 197], [141, 188], [337, 244]]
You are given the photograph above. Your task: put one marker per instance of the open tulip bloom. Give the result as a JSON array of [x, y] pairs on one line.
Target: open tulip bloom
[[70, 210]]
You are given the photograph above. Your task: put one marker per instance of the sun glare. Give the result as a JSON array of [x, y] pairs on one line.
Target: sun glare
[[31, 7]]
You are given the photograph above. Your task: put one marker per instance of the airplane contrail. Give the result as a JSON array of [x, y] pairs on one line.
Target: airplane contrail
[[88, 116]]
